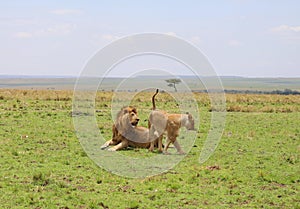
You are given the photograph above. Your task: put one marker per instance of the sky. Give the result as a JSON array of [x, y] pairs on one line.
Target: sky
[[251, 38]]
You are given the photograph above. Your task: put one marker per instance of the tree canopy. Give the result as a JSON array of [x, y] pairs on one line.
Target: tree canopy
[[173, 82]]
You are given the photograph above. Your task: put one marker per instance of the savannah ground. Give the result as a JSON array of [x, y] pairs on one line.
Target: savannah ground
[[42, 165]]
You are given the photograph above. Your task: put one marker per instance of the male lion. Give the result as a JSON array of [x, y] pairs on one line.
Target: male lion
[[161, 122], [126, 132]]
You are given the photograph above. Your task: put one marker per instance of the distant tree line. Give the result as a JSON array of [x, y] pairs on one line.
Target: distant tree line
[[280, 92]]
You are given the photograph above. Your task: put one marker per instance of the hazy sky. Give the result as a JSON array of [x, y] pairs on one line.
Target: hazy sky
[[255, 38]]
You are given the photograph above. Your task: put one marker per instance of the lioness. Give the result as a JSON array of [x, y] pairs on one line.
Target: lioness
[[161, 122]]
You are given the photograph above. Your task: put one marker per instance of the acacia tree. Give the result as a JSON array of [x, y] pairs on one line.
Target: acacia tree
[[173, 82]]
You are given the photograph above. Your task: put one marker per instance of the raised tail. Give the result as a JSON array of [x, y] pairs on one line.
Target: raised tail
[[153, 100]]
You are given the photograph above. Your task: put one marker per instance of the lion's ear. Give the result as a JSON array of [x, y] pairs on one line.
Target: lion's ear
[[134, 110], [125, 111]]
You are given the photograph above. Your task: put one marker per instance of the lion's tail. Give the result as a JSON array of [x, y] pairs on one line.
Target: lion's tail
[[153, 100]]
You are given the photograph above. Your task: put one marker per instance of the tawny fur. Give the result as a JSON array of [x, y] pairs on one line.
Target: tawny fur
[[126, 132], [161, 122]]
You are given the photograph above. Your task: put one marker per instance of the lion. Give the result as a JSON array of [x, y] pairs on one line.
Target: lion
[[126, 132], [161, 122]]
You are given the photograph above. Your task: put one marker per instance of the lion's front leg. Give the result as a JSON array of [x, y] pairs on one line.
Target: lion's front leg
[[122, 145], [108, 143], [178, 148], [114, 140]]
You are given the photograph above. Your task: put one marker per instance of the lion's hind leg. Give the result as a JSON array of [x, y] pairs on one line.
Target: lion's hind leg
[[167, 146], [155, 139]]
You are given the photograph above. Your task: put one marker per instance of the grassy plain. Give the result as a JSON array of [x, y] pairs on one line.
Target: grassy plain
[[42, 165], [229, 83]]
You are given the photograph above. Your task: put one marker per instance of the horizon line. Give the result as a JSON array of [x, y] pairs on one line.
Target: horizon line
[[7, 76]]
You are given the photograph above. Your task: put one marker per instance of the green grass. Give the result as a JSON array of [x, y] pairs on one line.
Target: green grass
[[257, 163]]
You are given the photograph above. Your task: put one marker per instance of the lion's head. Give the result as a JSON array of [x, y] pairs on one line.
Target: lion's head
[[127, 117], [130, 113]]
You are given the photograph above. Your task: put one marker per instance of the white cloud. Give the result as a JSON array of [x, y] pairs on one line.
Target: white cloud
[[23, 35], [17, 22], [196, 40], [286, 28], [287, 33], [170, 33], [109, 37], [235, 43], [66, 12], [54, 30]]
